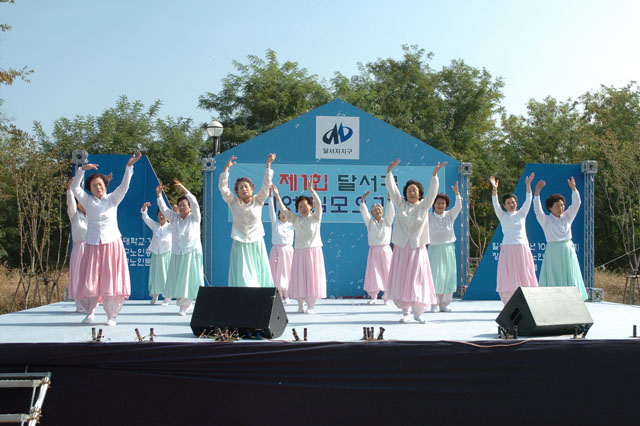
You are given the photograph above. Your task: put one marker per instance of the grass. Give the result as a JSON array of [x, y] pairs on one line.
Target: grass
[[611, 282], [9, 282]]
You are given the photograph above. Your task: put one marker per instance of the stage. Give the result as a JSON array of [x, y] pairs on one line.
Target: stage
[[336, 320], [451, 370]]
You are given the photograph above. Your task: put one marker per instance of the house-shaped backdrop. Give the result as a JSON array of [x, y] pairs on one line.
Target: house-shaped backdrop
[[346, 152]]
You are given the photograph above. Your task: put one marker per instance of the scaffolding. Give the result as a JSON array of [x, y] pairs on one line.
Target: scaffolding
[[464, 170]]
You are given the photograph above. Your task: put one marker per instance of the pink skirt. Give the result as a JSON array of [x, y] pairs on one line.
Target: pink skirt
[[75, 260], [378, 263], [515, 268], [104, 271], [280, 259], [410, 280], [308, 278]]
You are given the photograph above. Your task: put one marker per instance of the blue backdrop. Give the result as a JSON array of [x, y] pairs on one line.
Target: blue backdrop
[[298, 149], [136, 235], [483, 284]]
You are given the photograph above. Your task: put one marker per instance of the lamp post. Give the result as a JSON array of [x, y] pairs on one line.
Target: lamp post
[[215, 129]]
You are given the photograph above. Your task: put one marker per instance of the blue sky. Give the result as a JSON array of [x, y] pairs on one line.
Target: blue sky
[[87, 53]]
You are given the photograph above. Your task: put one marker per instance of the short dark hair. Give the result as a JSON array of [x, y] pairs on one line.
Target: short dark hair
[[554, 198], [304, 198], [445, 197], [183, 197], [243, 179], [416, 183], [91, 177], [508, 195]]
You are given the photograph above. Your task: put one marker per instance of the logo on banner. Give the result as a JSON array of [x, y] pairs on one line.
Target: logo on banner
[[338, 137]]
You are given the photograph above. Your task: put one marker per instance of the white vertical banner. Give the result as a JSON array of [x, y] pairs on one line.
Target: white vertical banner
[[338, 137]]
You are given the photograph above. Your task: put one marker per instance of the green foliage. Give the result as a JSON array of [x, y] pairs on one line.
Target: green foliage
[[452, 109], [174, 146], [263, 95], [613, 120]]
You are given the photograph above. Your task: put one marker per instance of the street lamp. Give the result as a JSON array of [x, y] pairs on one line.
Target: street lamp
[[215, 129]]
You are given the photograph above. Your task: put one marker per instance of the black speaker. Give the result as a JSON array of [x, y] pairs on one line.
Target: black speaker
[[545, 311], [250, 310]]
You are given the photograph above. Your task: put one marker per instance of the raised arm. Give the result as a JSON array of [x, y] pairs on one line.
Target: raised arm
[[145, 217], [317, 202], [262, 195], [223, 182], [166, 211], [78, 192], [390, 214], [272, 208], [524, 210], [537, 205], [72, 207], [432, 191], [193, 201], [457, 206], [573, 209], [364, 211], [285, 211], [494, 197], [122, 189], [392, 188]]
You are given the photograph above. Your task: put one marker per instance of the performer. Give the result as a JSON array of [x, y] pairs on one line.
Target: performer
[[185, 275], [560, 265], [78, 219], [410, 284], [104, 272], [281, 254], [308, 279], [160, 248], [442, 255], [515, 264], [248, 261], [379, 237]]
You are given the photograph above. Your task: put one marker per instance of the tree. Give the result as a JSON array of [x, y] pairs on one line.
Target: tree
[[174, 146], [38, 191], [613, 116], [263, 95], [9, 75], [452, 109]]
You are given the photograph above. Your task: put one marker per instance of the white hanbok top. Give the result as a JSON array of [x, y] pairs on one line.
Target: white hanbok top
[[513, 224], [412, 220], [441, 226], [77, 219], [102, 213], [281, 233], [247, 217], [307, 229], [162, 238], [378, 233], [557, 228], [185, 232]]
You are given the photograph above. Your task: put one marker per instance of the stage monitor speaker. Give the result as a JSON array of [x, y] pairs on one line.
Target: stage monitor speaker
[[250, 310], [545, 311]]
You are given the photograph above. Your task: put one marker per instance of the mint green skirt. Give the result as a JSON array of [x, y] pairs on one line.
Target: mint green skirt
[[560, 267], [442, 258], [249, 265], [158, 272], [185, 276]]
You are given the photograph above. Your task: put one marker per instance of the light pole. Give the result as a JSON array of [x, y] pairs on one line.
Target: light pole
[[215, 129]]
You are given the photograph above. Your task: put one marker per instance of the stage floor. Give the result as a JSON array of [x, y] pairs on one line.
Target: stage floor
[[338, 320]]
